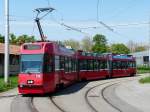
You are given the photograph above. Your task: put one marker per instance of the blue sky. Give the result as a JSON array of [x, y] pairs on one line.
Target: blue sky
[[82, 14]]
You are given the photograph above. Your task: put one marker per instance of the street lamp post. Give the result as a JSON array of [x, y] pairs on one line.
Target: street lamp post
[[6, 64]]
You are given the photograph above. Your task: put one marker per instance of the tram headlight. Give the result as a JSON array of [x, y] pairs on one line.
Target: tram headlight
[[21, 86], [30, 81]]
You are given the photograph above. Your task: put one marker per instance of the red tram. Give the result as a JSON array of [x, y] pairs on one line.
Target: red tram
[[91, 66], [46, 66], [121, 65]]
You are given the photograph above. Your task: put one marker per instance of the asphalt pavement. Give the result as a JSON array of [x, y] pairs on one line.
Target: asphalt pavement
[[113, 95], [135, 94]]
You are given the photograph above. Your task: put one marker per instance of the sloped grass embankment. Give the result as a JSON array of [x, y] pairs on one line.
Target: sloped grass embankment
[[13, 82]]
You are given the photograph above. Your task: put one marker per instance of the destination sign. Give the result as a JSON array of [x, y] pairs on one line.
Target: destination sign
[[122, 57], [32, 47]]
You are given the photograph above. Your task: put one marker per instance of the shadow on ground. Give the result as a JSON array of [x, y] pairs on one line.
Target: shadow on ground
[[70, 89]]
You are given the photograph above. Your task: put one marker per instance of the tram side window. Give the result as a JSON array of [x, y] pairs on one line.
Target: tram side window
[[73, 61], [119, 65], [96, 65], [66, 64], [115, 65], [48, 63], [99, 65], [130, 64], [83, 64], [62, 62], [73, 65], [56, 62], [76, 63], [70, 65], [89, 64], [126, 65], [133, 64], [123, 65], [103, 64]]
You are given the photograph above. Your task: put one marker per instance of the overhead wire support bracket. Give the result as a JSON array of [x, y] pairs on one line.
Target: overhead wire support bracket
[[37, 19]]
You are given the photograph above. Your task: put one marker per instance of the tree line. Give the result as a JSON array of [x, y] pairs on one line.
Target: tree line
[[97, 43], [18, 40]]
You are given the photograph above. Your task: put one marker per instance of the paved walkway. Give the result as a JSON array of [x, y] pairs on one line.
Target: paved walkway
[[135, 94]]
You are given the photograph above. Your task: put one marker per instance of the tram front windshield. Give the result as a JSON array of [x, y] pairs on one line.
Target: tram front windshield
[[31, 63]]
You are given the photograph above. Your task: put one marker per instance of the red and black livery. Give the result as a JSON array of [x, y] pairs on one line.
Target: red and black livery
[[46, 66]]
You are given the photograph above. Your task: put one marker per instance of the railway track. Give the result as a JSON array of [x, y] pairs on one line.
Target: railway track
[[114, 101], [56, 105], [61, 109], [86, 96], [106, 100], [102, 93], [28, 104], [23, 104], [7, 96]]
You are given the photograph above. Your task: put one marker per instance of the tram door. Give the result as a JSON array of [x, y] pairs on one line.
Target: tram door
[[110, 68]]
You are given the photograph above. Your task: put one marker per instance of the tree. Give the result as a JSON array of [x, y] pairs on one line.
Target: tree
[[25, 39], [13, 39], [86, 44], [1, 39], [72, 43], [100, 44], [18, 40], [119, 49]]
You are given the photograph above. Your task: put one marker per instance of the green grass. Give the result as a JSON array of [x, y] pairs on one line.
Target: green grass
[[143, 69], [145, 80], [13, 82]]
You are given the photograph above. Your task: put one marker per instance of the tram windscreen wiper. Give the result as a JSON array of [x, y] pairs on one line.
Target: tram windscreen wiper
[[28, 72]]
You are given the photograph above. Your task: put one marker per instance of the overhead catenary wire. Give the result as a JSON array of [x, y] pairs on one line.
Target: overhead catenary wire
[[122, 10], [97, 10], [81, 30], [33, 28], [105, 25], [69, 27], [99, 7], [100, 21], [117, 25], [48, 2]]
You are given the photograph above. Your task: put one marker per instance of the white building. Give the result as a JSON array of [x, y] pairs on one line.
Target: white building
[[142, 58]]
